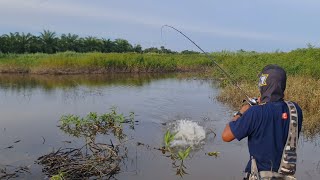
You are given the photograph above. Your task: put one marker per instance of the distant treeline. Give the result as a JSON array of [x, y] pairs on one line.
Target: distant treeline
[[49, 42]]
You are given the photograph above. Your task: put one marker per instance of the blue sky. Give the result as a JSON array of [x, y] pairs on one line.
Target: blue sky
[[259, 25]]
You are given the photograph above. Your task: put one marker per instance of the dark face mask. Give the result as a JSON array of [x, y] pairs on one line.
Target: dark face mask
[[272, 83]]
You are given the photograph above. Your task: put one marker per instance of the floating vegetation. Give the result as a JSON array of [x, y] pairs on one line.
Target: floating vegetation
[[181, 137], [168, 139], [93, 124], [92, 160], [101, 160], [214, 153], [177, 156], [182, 155]]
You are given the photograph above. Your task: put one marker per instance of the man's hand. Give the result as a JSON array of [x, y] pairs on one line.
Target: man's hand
[[243, 109], [227, 134]]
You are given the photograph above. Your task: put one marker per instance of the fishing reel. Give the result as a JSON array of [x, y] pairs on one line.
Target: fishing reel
[[251, 101]]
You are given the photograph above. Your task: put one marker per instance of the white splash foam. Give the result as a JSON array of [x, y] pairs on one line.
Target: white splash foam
[[189, 133]]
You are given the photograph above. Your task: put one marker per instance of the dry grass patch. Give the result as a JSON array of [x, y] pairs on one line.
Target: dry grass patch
[[303, 90]]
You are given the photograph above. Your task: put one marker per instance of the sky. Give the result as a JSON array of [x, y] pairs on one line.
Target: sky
[[215, 25]]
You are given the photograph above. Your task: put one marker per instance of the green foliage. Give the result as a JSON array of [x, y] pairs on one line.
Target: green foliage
[[245, 66], [189, 52], [182, 155], [59, 176], [175, 155], [168, 138], [49, 42], [94, 123]]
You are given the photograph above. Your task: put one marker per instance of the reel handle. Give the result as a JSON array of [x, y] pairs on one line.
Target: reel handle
[[251, 101]]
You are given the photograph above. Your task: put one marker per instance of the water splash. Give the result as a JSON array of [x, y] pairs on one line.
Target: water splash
[[188, 133]]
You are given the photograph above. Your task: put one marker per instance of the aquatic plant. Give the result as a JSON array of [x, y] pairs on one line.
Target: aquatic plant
[[182, 155], [168, 138], [214, 153], [94, 123], [98, 161], [92, 160], [59, 176], [174, 155]]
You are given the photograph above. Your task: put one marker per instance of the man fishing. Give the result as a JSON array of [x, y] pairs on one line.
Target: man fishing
[[272, 128]]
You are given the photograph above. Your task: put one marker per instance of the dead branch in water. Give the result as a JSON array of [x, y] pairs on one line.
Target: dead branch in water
[[102, 161]]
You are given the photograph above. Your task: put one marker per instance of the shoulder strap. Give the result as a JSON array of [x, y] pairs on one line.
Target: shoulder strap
[[289, 155], [254, 175]]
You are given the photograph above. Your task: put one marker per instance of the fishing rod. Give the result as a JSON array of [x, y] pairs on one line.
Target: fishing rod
[[251, 101]]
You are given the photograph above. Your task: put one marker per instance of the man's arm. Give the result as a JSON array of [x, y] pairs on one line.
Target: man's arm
[[227, 134]]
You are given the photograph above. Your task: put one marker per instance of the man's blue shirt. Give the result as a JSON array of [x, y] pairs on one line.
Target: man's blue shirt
[[267, 133]]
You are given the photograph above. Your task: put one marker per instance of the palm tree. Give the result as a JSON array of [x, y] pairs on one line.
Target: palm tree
[[123, 45], [108, 46], [24, 42], [49, 41], [137, 48], [93, 44], [4, 44], [69, 42]]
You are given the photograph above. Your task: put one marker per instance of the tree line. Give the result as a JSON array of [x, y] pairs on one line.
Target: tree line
[[49, 42]]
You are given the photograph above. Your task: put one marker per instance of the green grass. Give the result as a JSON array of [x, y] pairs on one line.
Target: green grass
[[245, 66], [78, 63], [241, 65]]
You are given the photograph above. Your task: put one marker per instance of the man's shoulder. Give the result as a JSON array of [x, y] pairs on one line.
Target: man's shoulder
[[297, 106], [253, 111], [256, 108]]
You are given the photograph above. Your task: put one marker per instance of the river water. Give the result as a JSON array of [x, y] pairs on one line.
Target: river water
[[31, 106]]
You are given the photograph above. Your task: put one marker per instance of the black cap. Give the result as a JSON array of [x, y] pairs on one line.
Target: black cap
[[272, 83]]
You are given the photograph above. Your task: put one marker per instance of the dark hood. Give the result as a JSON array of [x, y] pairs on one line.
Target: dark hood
[[272, 83]]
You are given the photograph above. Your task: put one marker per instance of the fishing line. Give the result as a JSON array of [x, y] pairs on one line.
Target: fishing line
[[251, 101]]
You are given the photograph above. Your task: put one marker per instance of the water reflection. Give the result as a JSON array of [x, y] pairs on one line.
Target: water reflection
[[21, 83]]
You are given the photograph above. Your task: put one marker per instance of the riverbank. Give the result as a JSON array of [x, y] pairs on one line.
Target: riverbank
[[100, 63]]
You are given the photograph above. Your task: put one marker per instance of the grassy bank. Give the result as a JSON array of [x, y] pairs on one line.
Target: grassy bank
[[303, 86], [80, 63], [245, 66], [303, 90]]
